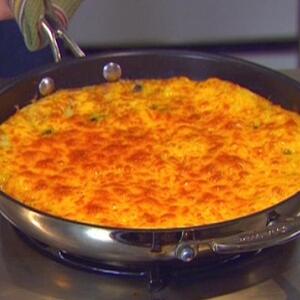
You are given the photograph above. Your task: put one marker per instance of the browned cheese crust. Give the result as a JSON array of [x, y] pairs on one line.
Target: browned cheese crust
[[151, 153]]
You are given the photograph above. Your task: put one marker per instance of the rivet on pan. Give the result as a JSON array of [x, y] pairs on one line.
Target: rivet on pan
[[46, 86], [185, 253], [112, 72]]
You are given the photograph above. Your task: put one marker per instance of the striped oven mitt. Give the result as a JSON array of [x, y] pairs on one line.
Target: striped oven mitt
[[28, 14]]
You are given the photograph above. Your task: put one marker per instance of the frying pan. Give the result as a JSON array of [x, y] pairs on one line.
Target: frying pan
[[120, 246]]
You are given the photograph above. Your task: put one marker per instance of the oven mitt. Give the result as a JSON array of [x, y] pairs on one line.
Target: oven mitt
[[28, 14]]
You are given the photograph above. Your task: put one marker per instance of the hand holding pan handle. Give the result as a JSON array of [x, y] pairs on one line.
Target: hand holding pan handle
[[52, 30], [274, 234]]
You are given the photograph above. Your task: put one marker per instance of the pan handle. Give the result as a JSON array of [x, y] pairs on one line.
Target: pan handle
[[52, 30], [274, 234]]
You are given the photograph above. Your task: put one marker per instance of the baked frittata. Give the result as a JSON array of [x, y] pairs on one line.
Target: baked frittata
[[157, 153]]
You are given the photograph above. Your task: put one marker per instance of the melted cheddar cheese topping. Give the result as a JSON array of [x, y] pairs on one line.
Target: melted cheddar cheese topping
[[151, 153]]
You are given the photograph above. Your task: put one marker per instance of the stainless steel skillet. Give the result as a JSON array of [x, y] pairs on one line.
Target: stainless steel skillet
[[270, 227]]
